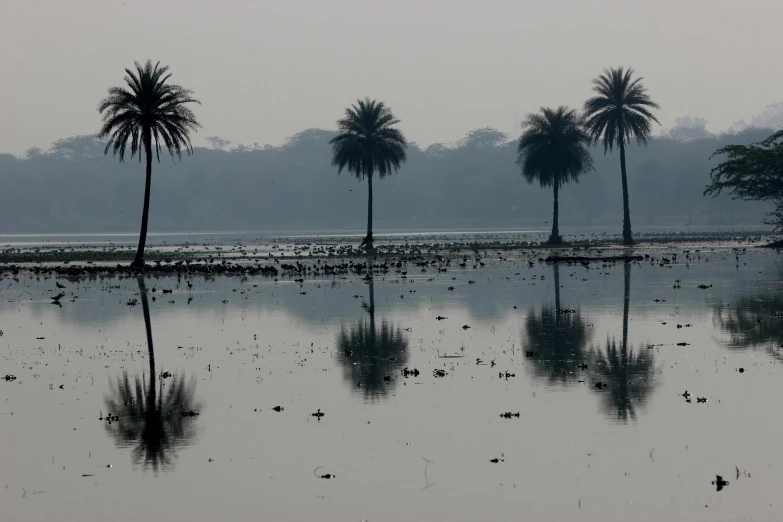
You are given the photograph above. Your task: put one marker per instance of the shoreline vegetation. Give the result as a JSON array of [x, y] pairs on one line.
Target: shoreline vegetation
[[341, 256]]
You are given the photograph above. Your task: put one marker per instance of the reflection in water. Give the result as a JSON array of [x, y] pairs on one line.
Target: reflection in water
[[753, 322], [372, 357], [154, 422], [559, 337], [628, 375]]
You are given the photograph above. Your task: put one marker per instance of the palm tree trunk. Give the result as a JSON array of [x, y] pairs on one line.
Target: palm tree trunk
[[368, 239], [627, 237], [138, 261], [554, 239]]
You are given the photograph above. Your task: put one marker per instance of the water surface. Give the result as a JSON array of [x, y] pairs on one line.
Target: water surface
[[595, 359]]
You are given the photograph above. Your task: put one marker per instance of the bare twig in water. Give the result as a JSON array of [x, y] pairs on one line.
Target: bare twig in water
[[428, 462]]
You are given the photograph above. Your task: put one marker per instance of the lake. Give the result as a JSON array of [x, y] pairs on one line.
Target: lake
[[486, 384]]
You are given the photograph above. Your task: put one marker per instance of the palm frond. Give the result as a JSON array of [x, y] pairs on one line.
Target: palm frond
[[368, 142], [149, 106], [553, 147], [620, 109]]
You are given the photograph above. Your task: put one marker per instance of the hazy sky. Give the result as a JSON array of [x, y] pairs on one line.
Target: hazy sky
[[266, 69]]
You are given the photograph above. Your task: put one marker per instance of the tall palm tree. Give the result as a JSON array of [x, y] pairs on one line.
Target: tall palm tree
[[619, 111], [370, 354], [154, 423], [553, 151], [368, 144], [150, 109]]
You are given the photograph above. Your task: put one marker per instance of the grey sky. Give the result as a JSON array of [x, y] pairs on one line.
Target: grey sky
[[265, 70]]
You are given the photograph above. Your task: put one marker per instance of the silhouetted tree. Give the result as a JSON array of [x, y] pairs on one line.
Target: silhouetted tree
[[620, 111], [559, 338], [368, 143], [153, 422], [217, 142], [627, 374], [370, 354], [552, 151], [149, 110], [752, 172], [484, 138]]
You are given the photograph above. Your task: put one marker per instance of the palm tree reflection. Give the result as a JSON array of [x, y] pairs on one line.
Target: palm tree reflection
[[154, 423], [627, 374], [372, 357], [558, 337]]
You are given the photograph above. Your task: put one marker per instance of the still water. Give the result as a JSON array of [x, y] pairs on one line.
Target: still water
[[635, 384]]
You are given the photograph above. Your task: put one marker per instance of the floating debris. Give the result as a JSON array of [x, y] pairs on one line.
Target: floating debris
[[278, 409], [439, 373], [719, 483], [509, 415], [326, 476]]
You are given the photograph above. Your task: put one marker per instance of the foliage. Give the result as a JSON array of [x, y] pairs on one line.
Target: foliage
[[552, 149], [752, 172], [258, 189], [217, 142], [620, 110], [484, 138], [368, 141], [149, 106], [151, 110]]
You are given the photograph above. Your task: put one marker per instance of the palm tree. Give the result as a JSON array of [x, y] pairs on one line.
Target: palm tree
[[368, 143], [153, 423], [371, 355], [620, 111], [553, 151], [148, 110]]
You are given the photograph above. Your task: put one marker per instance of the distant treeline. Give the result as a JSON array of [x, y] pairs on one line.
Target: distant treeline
[[73, 187]]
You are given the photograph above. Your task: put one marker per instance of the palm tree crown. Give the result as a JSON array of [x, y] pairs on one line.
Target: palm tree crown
[[620, 110], [149, 104], [553, 150], [368, 143]]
